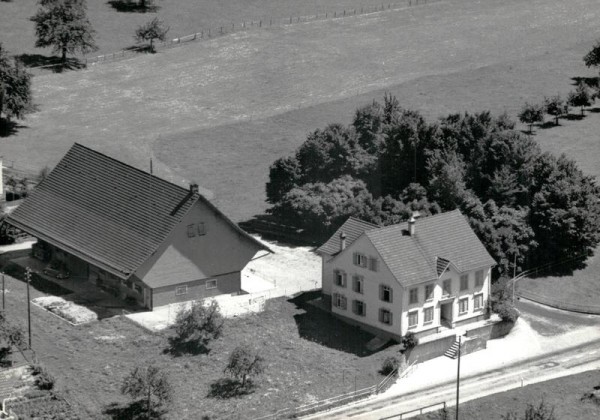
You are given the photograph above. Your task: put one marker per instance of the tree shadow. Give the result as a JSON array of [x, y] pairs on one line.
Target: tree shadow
[[226, 388], [53, 63], [594, 110], [529, 133], [178, 348], [592, 82], [270, 227], [318, 325], [575, 117], [132, 6], [548, 124], [9, 128], [131, 411]]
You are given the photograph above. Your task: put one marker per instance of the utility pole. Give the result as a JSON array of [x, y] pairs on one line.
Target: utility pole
[[3, 293], [28, 277], [458, 377], [514, 280]]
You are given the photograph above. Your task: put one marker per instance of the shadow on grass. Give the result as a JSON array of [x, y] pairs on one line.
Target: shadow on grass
[[270, 227], [52, 63], [132, 6], [594, 110], [9, 128], [548, 124], [592, 82], [226, 388], [528, 132], [132, 411], [320, 326], [177, 348], [575, 117]]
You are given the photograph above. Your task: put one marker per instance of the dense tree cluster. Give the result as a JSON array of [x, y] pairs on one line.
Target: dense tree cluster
[[522, 203]]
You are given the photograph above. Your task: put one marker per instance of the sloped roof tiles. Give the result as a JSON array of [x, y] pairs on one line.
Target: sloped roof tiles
[[352, 228]]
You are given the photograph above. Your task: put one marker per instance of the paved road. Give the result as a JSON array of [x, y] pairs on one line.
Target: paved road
[[548, 321], [568, 362]]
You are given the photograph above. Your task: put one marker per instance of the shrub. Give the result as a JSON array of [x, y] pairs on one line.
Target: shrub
[[409, 341], [197, 326], [507, 311], [151, 386], [389, 365], [243, 363], [43, 379]]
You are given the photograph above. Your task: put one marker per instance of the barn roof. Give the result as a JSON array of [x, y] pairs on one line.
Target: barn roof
[[104, 211]]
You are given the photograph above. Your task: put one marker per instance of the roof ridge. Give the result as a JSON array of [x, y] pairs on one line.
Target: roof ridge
[[120, 162]]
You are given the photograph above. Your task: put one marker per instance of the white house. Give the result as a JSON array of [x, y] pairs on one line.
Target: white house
[[421, 276]]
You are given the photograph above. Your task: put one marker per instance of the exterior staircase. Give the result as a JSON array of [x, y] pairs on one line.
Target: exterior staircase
[[452, 352]]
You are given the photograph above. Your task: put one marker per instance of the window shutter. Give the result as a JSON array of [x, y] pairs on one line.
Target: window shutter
[[364, 312], [355, 258], [380, 292], [391, 295], [344, 279]]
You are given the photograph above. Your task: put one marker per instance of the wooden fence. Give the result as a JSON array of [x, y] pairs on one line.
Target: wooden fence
[[417, 411], [209, 33]]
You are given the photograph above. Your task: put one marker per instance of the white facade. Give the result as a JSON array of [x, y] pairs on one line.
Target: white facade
[[387, 303]]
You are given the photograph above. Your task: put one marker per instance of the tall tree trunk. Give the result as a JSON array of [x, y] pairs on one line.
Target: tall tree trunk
[[64, 55]]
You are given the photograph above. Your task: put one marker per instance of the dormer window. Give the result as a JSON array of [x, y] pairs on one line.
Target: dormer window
[[360, 260], [201, 229]]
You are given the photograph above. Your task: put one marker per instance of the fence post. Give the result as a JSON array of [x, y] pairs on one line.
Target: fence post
[[260, 23], [344, 12], [221, 30]]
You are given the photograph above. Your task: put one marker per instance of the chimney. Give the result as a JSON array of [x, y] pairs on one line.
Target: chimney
[[1, 182], [342, 241], [412, 222], [193, 188]]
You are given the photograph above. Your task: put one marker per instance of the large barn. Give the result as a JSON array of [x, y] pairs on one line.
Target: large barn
[[133, 233]]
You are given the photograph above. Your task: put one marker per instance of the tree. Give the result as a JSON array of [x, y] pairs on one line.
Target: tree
[[554, 106], [197, 326], [15, 87], [284, 174], [64, 26], [150, 31], [531, 114], [243, 363], [580, 97], [592, 58], [151, 386]]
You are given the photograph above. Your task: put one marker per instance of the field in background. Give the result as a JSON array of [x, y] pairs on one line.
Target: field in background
[[219, 112], [115, 29], [567, 405]]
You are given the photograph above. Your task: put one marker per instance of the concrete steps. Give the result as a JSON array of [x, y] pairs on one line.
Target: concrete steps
[[452, 352]]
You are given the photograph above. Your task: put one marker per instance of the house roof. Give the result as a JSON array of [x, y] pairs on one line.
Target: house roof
[[438, 241], [352, 228], [104, 211]]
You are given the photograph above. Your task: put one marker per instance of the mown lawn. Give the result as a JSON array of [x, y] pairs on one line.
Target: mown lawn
[[309, 356], [115, 29], [564, 394], [220, 112]]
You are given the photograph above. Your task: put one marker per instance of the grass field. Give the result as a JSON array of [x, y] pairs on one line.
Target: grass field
[[567, 405], [90, 361], [220, 112], [114, 29]]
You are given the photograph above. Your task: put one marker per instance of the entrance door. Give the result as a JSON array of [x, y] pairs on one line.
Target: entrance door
[[446, 314]]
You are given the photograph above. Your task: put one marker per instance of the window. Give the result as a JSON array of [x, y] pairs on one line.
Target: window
[[339, 301], [463, 306], [413, 296], [464, 282], [429, 292], [385, 293], [360, 308], [181, 290], [428, 315], [413, 319], [201, 229], [385, 317], [211, 284], [137, 288], [340, 278], [479, 278], [373, 264], [191, 232], [478, 302], [357, 282], [447, 286], [360, 260]]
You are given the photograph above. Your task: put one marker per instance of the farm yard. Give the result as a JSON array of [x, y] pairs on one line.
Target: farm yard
[[219, 112]]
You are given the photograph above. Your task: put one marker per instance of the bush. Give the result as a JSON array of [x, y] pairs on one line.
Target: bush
[[507, 311], [243, 364], [43, 379], [196, 327], [389, 365], [409, 341]]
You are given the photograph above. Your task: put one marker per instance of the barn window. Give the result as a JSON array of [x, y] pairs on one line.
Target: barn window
[[181, 290], [191, 232], [211, 284], [201, 229]]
